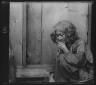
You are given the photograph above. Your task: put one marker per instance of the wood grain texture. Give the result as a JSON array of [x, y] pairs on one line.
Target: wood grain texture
[[78, 13], [34, 33], [33, 71], [16, 30], [54, 12], [24, 35]]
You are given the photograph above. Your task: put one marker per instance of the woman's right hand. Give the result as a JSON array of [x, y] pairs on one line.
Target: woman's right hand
[[63, 47]]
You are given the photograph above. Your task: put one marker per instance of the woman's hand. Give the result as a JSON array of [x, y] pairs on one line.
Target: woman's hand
[[63, 47]]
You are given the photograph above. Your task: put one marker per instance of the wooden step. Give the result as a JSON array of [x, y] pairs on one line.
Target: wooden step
[[32, 72]]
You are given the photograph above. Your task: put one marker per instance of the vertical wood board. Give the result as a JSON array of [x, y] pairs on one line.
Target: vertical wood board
[[15, 31], [34, 33]]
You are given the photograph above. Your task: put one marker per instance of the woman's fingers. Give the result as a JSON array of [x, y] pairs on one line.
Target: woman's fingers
[[62, 46]]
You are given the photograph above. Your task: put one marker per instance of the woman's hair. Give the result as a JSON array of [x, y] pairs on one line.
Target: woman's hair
[[67, 28]]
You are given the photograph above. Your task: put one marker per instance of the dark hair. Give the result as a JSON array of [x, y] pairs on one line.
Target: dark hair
[[67, 28], [53, 36]]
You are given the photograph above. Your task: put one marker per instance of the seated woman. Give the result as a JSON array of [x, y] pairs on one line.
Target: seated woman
[[74, 58]]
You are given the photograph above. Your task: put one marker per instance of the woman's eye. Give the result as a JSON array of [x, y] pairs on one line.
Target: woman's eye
[[61, 34], [57, 35]]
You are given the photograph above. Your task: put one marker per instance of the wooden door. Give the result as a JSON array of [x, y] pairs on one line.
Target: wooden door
[[52, 13], [15, 31], [31, 36], [41, 18], [33, 33]]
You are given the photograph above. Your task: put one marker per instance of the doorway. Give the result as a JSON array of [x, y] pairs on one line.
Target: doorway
[[30, 29], [41, 17], [30, 26]]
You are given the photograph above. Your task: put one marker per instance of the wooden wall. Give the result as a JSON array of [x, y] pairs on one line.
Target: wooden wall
[[41, 17], [78, 14], [15, 32], [33, 33], [54, 12]]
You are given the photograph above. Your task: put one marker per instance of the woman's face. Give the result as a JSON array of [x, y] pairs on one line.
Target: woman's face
[[60, 36]]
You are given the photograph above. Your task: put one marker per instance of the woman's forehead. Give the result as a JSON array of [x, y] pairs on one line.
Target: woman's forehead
[[59, 32]]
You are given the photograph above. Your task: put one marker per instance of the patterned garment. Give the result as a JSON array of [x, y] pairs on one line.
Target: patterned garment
[[77, 65]]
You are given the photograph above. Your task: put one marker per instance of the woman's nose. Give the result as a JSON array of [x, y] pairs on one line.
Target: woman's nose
[[60, 37]]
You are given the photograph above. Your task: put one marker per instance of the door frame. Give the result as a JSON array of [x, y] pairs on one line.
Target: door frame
[[89, 23]]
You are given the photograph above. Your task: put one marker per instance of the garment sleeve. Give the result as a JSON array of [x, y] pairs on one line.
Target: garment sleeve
[[77, 58]]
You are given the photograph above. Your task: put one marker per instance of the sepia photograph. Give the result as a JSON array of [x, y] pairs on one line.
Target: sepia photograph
[[51, 42]]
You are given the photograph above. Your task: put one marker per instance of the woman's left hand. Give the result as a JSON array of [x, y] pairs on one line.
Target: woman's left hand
[[62, 46]]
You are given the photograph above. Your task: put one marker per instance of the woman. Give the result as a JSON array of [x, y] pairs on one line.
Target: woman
[[74, 60]]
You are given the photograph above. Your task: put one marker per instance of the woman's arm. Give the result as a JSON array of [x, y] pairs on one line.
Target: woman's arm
[[63, 47], [76, 58]]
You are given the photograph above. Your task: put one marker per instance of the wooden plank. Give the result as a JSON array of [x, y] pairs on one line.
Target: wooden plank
[[33, 79], [24, 34], [15, 32], [34, 33], [39, 66], [79, 17], [32, 72]]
